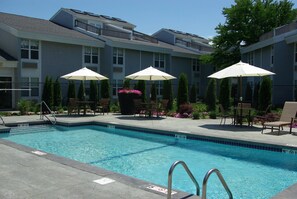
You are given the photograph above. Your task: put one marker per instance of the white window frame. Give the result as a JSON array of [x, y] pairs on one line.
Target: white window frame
[[92, 54], [30, 85], [30, 48], [160, 58], [117, 84], [117, 55]]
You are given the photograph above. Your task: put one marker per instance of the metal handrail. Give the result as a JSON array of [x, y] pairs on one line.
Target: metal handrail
[[189, 173], [52, 113], [2, 120], [204, 186]]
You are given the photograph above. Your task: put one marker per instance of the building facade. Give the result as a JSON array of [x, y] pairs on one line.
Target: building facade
[[72, 39], [276, 51]]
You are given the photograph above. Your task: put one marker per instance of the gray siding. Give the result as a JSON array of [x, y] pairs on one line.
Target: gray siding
[[132, 61], [60, 59], [283, 81], [64, 19]]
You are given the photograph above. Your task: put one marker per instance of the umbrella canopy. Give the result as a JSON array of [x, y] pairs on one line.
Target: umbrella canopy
[[84, 74], [240, 69], [151, 74]]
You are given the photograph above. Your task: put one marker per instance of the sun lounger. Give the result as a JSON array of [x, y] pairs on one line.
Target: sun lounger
[[286, 119]]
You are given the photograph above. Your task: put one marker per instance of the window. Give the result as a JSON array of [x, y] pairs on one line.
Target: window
[[195, 65], [116, 85], [159, 60], [118, 56], [29, 49], [31, 85], [91, 55]]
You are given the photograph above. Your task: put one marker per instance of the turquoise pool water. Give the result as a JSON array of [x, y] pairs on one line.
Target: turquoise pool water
[[250, 173]]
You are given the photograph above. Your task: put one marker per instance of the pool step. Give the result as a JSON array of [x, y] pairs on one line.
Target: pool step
[[26, 128]]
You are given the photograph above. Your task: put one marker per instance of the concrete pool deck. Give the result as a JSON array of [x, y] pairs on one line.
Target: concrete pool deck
[[28, 175]]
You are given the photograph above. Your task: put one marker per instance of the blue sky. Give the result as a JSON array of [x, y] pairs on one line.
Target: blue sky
[[193, 16]]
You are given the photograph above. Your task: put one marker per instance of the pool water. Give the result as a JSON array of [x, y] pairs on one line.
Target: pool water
[[249, 173]]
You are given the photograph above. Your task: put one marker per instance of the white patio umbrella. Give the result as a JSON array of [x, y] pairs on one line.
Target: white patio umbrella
[[151, 74], [240, 70], [84, 74]]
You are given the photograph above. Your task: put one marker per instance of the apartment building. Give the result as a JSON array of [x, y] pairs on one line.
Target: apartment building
[[277, 51], [32, 49]]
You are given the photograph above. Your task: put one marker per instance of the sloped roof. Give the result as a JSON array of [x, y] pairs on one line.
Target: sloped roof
[[41, 27], [5, 56]]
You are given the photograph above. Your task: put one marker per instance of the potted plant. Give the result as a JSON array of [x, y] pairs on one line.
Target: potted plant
[[126, 100]]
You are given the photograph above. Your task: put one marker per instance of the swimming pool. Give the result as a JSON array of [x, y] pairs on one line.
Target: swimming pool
[[249, 173]]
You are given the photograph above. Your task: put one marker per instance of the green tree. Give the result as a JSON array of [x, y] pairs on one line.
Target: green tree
[[265, 93], [71, 90], [182, 91], [126, 84], [211, 98], [153, 92], [256, 95], [81, 91], [248, 92], [225, 93], [57, 94], [193, 94], [245, 22], [105, 89], [141, 86], [168, 93], [94, 92]]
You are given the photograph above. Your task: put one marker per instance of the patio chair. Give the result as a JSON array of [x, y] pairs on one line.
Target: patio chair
[[163, 107], [72, 105], [139, 107], [286, 119], [103, 106], [224, 114]]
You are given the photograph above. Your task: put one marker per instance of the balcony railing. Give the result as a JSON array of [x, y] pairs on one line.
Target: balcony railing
[[193, 45], [115, 33]]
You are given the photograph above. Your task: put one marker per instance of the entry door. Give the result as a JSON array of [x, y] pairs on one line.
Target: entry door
[[5, 95]]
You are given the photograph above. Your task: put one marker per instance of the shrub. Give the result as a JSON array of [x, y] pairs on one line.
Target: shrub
[[265, 93], [212, 115], [153, 92], [24, 106], [81, 91], [182, 92], [224, 95], [114, 108], [210, 97], [94, 93], [196, 115], [168, 93], [185, 108], [126, 83], [248, 92], [71, 90], [57, 94], [141, 87], [193, 94], [105, 89]]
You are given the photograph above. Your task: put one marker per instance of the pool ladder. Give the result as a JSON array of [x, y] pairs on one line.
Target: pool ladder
[[43, 115], [204, 186]]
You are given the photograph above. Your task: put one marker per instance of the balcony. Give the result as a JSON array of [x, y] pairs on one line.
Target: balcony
[[134, 35]]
